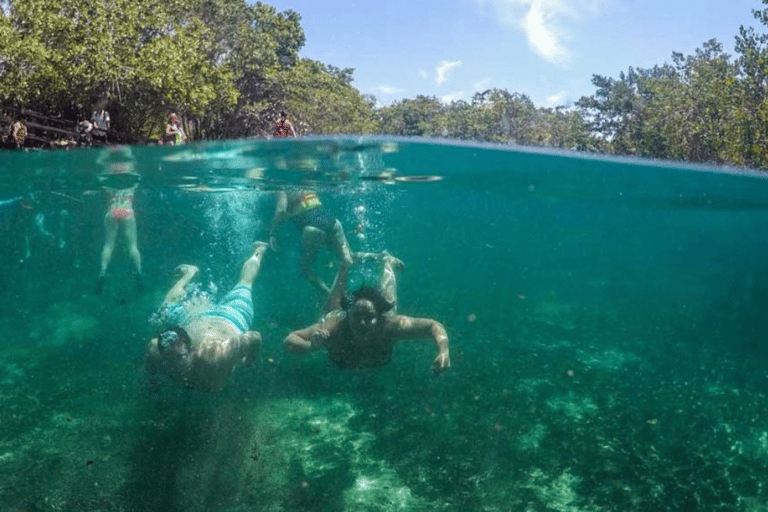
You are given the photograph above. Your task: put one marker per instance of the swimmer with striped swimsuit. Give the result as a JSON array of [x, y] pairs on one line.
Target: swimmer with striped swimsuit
[[201, 348]]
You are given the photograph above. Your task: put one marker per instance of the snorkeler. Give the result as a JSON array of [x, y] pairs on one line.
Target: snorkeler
[[203, 346], [361, 331], [120, 183], [318, 227]]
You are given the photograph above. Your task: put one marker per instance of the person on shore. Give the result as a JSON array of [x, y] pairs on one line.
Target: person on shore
[[318, 228], [174, 132], [84, 135], [18, 132], [205, 342], [120, 182], [101, 123], [283, 128], [360, 331]]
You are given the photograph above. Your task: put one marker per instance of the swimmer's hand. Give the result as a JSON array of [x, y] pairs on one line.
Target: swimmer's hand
[[319, 337], [250, 343], [441, 363], [273, 242]]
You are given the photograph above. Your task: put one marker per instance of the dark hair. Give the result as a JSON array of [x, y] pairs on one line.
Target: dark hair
[[283, 113], [380, 304], [171, 337]]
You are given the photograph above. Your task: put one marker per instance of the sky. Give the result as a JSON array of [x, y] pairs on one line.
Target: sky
[[546, 49]]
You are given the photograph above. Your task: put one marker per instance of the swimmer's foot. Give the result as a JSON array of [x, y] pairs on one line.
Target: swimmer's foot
[[139, 279], [383, 256], [100, 282], [395, 263], [187, 270], [260, 248], [363, 256]]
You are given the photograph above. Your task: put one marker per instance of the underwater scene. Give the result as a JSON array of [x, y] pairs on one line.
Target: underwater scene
[[605, 317]]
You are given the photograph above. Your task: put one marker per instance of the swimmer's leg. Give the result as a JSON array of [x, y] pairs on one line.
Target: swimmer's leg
[[340, 245], [177, 292], [338, 290], [250, 269], [363, 256], [312, 240], [132, 241], [110, 226], [133, 248], [388, 280]]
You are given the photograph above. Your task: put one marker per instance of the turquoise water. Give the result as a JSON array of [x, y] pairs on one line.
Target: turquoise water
[[606, 317]]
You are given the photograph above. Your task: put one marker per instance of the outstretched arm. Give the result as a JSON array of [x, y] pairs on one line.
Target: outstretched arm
[[240, 348], [249, 344], [177, 292], [150, 360], [338, 290], [243, 347], [309, 339], [281, 206], [412, 328]]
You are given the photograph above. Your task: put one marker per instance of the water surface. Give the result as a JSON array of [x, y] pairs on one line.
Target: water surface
[[606, 316]]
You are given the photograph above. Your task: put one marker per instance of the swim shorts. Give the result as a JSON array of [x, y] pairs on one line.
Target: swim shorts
[[236, 308], [319, 218]]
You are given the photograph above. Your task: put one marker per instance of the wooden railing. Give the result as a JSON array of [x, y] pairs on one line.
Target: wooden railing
[[41, 129]]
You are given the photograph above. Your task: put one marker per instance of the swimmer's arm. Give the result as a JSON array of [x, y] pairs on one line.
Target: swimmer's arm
[[281, 206], [151, 365], [310, 339], [246, 344], [240, 347], [406, 327]]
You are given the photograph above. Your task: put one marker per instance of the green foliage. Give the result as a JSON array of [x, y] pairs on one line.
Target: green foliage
[[494, 115], [323, 101], [416, 117], [228, 67], [149, 57], [701, 108]]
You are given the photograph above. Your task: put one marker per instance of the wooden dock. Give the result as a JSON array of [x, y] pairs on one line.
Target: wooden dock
[[41, 130]]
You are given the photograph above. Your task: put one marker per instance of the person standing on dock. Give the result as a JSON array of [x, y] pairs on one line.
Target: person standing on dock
[[174, 132], [18, 132], [101, 122], [283, 128], [84, 135]]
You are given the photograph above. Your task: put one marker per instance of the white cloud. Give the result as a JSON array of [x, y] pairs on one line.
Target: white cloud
[[454, 96], [481, 85], [386, 89], [423, 74], [542, 22], [444, 68], [556, 100]]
